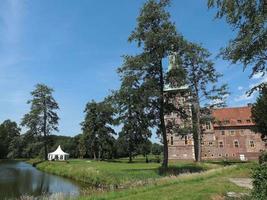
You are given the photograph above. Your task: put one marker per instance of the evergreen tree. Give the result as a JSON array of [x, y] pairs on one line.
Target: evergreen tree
[[158, 38], [249, 19], [132, 106], [42, 118], [97, 127], [9, 131], [259, 113], [201, 78]]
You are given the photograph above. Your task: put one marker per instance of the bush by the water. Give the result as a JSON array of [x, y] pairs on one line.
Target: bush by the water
[[260, 182]]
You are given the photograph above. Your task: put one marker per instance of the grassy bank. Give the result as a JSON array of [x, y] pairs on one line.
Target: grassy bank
[[212, 184], [119, 173]]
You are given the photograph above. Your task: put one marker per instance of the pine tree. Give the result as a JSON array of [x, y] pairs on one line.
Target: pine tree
[[42, 118], [97, 127], [259, 113], [156, 35], [132, 105], [201, 79]]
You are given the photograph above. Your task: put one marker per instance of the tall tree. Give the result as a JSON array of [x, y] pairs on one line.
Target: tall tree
[[97, 127], [157, 37], [201, 79], [259, 113], [9, 131], [249, 19], [42, 118], [132, 106]]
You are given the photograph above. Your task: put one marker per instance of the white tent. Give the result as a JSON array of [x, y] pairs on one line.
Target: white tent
[[58, 155]]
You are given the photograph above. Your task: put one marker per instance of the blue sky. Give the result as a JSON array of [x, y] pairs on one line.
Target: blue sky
[[76, 46]]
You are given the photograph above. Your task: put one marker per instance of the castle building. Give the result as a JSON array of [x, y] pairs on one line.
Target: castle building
[[229, 136]]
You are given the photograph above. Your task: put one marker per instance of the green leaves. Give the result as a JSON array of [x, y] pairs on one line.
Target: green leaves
[[249, 19], [42, 118], [97, 128], [259, 113]]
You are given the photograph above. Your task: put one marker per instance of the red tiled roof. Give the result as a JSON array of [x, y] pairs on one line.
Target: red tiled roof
[[239, 116]]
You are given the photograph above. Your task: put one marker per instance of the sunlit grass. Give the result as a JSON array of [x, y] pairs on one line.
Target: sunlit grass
[[119, 173], [212, 184]]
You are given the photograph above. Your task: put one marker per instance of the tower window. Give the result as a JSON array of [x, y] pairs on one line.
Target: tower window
[[185, 140], [251, 143], [236, 144], [221, 144], [171, 140]]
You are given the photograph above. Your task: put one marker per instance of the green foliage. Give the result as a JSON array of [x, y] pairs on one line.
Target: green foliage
[[42, 118], [97, 129], [156, 35], [9, 134], [201, 79], [249, 19], [263, 157], [259, 113], [132, 105], [156, 149], [259, 191]]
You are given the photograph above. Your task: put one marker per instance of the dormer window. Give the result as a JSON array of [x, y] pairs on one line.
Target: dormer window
[[248, 121], [226, 122], [239, 121]]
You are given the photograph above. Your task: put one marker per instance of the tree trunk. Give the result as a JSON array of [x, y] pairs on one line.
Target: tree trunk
[[198, 132], [45, 133], [162, 121], [99, 154], [94, 154], [130, 156]]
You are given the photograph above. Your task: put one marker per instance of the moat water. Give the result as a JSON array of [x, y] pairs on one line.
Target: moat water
[[19, 179]]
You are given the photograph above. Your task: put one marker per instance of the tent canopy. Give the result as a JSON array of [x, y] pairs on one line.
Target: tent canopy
[[58, 151], [58, 155]]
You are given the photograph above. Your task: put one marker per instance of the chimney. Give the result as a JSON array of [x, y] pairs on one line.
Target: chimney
[[249, 104]]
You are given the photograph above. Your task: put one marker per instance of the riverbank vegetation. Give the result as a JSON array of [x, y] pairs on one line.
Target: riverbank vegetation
[[119, 173]]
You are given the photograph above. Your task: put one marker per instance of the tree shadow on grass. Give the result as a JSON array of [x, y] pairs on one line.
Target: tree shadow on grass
[[176, 170], [171, 170]]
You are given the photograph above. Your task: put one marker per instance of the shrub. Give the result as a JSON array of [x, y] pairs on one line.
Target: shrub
[[260, 182], [263, 157]]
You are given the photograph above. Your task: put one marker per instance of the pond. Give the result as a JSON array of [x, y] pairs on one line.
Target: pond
[[18, 179]]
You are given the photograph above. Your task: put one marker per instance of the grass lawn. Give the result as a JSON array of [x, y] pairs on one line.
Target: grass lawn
[[140, 180], [212, 184], [119, 173]]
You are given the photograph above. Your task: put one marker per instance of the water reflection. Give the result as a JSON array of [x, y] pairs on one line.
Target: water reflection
[[20, 178]]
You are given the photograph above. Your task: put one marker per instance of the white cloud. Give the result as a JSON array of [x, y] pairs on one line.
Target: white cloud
[[244, 97], [257, 76], [240, 88]]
